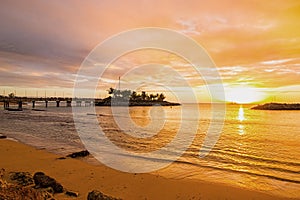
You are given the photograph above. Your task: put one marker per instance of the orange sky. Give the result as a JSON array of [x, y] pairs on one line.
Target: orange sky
[[253, 43]]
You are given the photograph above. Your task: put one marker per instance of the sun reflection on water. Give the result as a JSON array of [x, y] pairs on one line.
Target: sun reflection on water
[[241, 129], [241, 116]]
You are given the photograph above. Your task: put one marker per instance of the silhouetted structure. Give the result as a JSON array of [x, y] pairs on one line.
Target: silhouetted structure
[[277, 106], [132, 98]]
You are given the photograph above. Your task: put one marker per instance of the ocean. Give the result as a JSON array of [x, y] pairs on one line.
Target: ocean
[[256, 149]]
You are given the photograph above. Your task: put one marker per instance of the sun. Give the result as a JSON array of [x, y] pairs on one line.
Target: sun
[[243, 94]]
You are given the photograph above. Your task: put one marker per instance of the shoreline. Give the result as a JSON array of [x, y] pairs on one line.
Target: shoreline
[[82, 177]]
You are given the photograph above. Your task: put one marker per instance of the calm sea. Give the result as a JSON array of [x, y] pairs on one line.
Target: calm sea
[[257, 150]]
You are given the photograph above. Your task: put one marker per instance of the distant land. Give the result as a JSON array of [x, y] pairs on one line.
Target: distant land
[[132, 98], [116, 98], [277, 106]]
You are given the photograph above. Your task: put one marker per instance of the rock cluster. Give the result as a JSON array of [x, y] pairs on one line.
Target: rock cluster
[[43, 181], [97, 195], [24, 186], [38, 187], [20, 188], [21, 178], [83, 153]]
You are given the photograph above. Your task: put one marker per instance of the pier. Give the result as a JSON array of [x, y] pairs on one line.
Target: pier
[[18, 102]]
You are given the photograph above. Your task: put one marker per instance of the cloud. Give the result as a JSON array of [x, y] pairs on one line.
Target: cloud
[[275, 62], [42, 43], [189, 27]]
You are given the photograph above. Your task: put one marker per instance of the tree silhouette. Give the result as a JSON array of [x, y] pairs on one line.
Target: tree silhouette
[[111, 91], [144, 95], [125, 95], [151, 96], [134, 95], [11, 95], [161, 97]]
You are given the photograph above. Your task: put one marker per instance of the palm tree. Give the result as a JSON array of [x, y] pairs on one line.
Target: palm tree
[[144, 95], [133, 96], [161, 97], [11, 95], [156, 96], [151, 96], [111, 90]]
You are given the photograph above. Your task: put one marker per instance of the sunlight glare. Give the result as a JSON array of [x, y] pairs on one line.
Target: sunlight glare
[[241, 116], [241, 129], [243, 94]]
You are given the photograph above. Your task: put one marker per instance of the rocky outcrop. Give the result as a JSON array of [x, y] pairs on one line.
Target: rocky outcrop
[[97, 195], [72, 193], [79, 154], [15, 192], [43, 181], [277, 106], [2, 136], [22, 178], [24, 186], [20, 188]]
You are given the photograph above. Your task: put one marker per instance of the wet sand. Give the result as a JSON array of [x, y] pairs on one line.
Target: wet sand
[[79, 176]]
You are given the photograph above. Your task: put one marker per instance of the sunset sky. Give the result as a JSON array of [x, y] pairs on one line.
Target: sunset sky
[[255, 44]]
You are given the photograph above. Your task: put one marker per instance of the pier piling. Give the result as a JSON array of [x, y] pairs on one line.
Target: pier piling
[[6, 104], [69, 103], [20, 105], [57, 103], [46, 102], [78, 103]]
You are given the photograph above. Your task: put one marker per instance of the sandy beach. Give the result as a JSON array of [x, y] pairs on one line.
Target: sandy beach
[[79, 176]]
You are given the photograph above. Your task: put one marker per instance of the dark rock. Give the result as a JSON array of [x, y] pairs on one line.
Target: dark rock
[[16, 192], [21, 178], [3, 137], [72, 194], [61, 158], [43, 181], [83, 153], [48, 189], [277, 106], [2, 171], [97, 195], [46, 193], [19, 189]]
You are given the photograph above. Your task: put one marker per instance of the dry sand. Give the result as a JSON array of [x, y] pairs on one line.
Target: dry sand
[[79, 176]]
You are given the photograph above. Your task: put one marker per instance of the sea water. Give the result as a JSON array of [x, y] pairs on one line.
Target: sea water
[[257, 149]]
